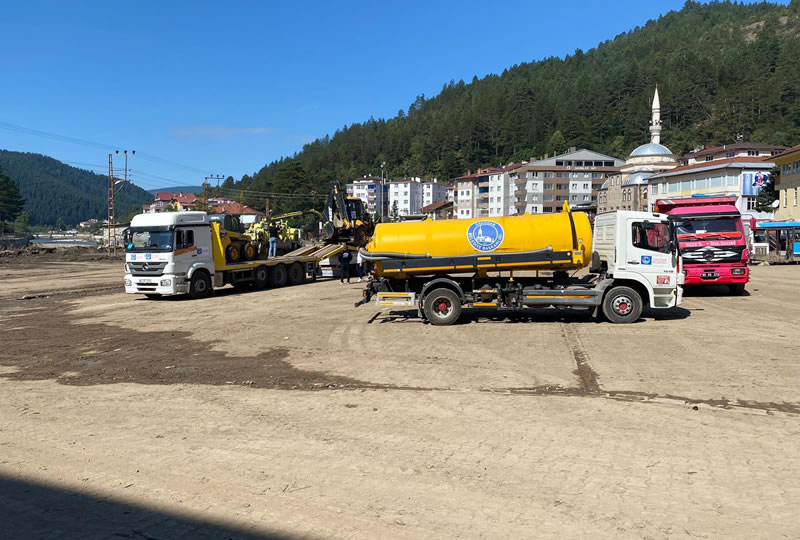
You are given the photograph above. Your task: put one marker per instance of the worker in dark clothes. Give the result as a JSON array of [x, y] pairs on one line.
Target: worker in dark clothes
[[273, 240], [345, 258]]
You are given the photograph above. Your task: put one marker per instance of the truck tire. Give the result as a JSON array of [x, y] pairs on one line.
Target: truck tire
[[261, 277], [736, 289], [296, 274], [622, 305], [232, 253], [442, 307], [277, 276], [200, 285], [249, 252]]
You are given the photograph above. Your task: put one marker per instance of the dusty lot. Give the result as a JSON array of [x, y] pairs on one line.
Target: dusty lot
[[290, 413]]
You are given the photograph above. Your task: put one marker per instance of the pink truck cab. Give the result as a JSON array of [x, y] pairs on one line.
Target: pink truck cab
[[711, 239]]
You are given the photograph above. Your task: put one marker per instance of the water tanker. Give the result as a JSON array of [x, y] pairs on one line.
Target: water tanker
[[440, 266], [561, 241]]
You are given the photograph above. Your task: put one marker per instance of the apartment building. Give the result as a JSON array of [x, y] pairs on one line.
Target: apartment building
[[788, 184], [542, 186], [735, 150], [472, 193], [501, 191], [433, 192], [373, 191], [740, 176], [412, 194]]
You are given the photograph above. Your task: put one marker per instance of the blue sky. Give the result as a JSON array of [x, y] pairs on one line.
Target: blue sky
[[226, 87]]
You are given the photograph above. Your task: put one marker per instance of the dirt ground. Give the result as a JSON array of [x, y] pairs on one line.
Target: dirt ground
[[289, 413]]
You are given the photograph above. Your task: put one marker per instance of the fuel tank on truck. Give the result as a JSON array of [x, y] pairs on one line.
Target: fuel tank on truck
[[560, 241]]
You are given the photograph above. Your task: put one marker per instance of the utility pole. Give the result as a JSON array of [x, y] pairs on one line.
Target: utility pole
[[383, 191], [112, 192], [216, 177]]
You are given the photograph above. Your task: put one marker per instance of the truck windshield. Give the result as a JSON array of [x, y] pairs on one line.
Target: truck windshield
[[148, 239], [727, 227]]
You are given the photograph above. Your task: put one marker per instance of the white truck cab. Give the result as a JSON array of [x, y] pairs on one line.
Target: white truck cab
[[164, 251], [639, 247]]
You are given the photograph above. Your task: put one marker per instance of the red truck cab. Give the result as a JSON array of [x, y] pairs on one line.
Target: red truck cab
[[711, 239]]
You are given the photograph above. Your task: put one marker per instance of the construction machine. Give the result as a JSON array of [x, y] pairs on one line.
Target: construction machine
[[289, 238], [236, 245], [346, 219]]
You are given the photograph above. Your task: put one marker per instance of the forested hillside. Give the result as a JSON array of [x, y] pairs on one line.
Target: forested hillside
[[722, 70], [53, 189]]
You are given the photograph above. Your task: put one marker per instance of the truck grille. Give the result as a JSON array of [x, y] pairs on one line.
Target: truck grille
[[711, 254], [146, 268]]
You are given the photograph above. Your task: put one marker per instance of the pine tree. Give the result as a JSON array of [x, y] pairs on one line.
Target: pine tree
[[22, 223], [768, 195], [394, 213], [60, 226], [11, 202]]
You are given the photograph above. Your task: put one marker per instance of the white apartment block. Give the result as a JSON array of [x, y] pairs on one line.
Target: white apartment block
[[370, 190], [433, 192]]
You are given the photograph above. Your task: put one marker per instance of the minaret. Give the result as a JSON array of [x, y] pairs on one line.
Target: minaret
[[655, 123]]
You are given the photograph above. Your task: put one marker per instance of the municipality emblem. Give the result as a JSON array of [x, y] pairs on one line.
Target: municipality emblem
[[485, 235]]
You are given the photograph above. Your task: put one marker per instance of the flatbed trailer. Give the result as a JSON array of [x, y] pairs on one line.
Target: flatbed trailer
[[182, 253]]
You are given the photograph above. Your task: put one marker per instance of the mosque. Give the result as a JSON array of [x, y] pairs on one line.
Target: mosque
[[628, 189]]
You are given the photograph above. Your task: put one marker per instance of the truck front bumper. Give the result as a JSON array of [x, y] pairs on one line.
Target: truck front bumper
[[710, 274], [164, 285]]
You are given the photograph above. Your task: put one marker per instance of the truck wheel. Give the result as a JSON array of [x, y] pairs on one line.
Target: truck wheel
[[622, 305], [442, 307], [296, 275], [200, 286], [249, 252], [261, 277], [736, 289], [277, 276], [232, 253]]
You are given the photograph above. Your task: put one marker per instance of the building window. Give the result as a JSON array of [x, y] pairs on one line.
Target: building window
[[548, 186], [585, 186], [795, 196], [785, 198], [548, 174], [547, 197], [751, 203], [730, 154], [787, 168], [574, 186], [709, 158], [752, 152], [654, 189], [796, 167], [561, 186]]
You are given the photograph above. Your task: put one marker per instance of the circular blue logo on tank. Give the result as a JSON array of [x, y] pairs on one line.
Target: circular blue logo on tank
[[485, 235]]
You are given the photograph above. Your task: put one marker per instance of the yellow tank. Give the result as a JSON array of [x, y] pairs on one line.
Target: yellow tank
[[548, 238]]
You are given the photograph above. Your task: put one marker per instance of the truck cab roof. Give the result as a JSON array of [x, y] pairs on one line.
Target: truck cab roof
[[167, 219]]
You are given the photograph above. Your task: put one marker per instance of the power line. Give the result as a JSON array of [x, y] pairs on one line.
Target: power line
[[83, 142]]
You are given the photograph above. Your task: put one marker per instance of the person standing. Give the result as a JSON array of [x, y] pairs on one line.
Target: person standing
[[345, 258], [273, 240]]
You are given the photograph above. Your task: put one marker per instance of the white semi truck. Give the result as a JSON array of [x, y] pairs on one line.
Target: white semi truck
[[173, 253]]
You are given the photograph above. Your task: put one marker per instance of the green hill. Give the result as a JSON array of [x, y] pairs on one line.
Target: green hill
[[722, 69], [53, 189]]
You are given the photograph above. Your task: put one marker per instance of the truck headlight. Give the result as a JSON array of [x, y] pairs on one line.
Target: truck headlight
[[128, 283], [737, 271], [166, 282]]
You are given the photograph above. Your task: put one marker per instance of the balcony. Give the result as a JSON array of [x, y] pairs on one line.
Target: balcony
[[520, 205], [483, 205], [520, 182], [521, 193]]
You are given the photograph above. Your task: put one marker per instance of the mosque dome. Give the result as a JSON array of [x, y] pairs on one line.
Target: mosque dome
[[651, 149], [637, 179]]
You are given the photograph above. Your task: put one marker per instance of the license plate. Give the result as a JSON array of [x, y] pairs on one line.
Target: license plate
[[709, 275], [144, 282]]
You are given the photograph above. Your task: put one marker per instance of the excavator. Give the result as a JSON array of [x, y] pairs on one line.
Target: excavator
[[288, 237], [346, 219]]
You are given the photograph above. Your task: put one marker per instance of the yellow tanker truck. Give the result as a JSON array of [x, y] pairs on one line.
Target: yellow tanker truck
[[441, 266]]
